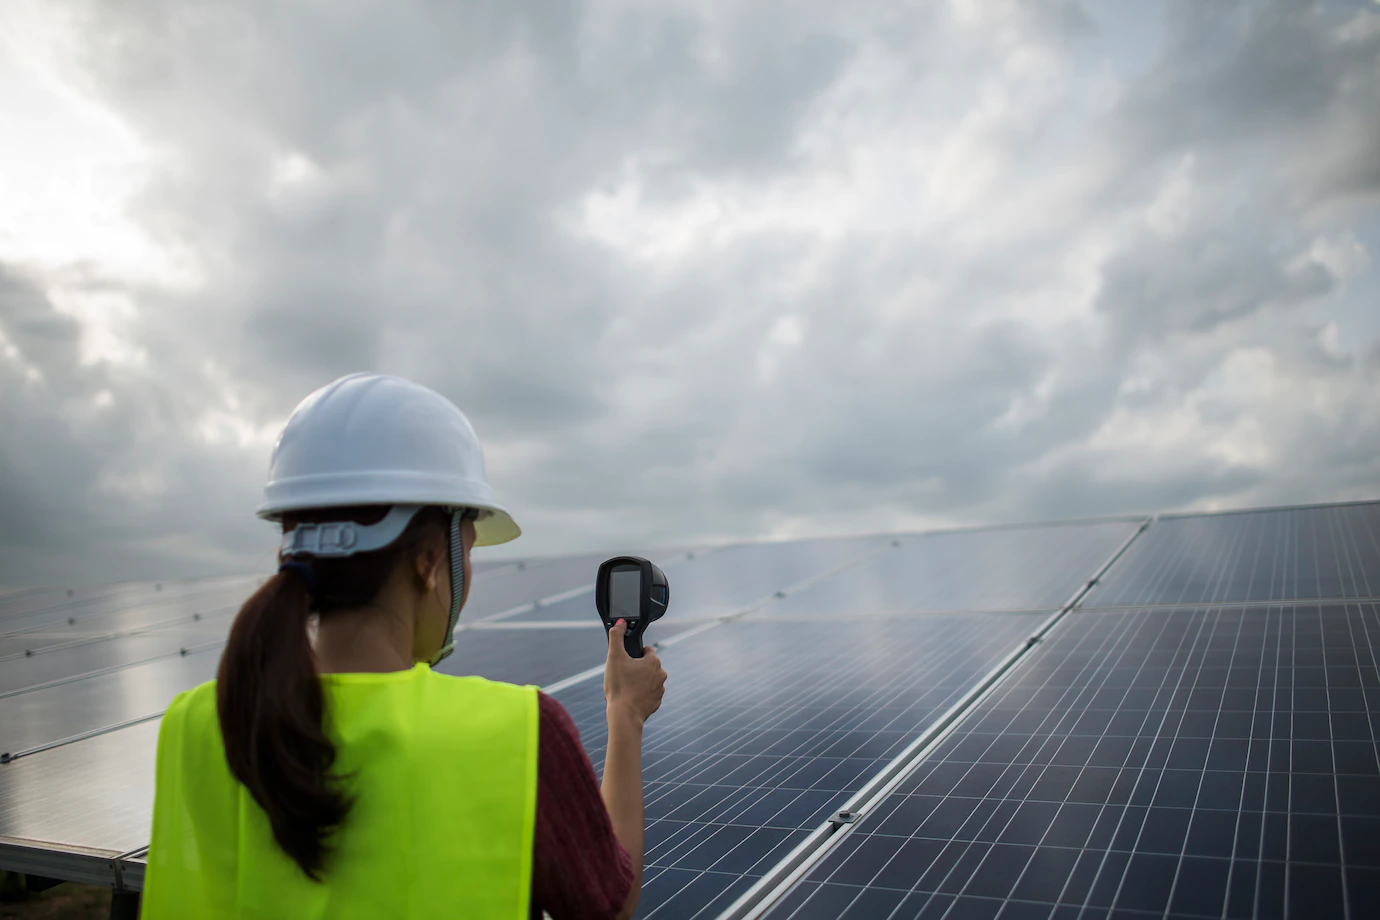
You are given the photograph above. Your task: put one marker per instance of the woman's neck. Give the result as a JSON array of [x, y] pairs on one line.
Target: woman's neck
[[363, 640]]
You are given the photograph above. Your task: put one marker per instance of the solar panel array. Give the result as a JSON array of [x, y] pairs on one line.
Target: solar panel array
[[1167, 747], [1192, 760]]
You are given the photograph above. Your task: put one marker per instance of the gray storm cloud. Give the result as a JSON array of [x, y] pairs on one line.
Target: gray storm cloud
[[710, 271]]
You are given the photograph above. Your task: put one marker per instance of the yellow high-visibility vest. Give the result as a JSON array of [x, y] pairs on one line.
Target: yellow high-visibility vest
[[443, 772]]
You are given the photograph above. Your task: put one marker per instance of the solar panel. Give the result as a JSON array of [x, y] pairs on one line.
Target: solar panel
[[1022, 568], [95, 661], [1290, 554], [84, 803], [523, 582], [727, 580], [767, 726], [1212, 762], [89, 701], [536, 654], [1168, 752], [97, 618]]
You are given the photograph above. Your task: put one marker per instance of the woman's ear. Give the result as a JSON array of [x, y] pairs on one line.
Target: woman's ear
[[431, 564]]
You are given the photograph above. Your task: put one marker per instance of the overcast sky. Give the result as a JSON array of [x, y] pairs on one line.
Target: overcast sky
[[696, 270]]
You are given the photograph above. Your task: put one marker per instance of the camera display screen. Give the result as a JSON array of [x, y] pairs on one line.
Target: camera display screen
[[625, 593]]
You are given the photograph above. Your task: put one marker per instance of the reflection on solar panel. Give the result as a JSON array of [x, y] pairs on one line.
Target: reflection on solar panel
[[982, 723], [1207, 763], [729, 580], [1294, 554], [1027, 568]]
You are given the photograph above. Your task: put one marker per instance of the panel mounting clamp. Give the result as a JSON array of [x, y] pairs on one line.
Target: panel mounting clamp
[[843, 817]]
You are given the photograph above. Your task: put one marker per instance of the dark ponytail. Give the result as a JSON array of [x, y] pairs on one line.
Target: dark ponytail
[[271, 708], [269, 696]]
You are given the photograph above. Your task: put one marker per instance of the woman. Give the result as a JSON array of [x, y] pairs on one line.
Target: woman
[[339, 776]]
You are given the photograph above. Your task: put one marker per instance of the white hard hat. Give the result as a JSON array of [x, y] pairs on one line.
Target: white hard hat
[[372, 439]]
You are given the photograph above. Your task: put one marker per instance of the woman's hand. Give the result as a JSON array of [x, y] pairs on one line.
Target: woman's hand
[[632, 686]]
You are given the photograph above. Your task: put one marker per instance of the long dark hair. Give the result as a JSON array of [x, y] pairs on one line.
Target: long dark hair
[[268, 694]]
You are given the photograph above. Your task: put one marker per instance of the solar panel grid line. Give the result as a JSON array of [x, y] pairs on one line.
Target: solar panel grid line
[[1231, 868], [1200, 655], [1141, 772], [1198, 792], [1358, 571], [1368, 647], [1336, 796], [762, 898]]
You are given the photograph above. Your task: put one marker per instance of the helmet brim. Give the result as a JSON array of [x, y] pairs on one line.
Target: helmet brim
[[495, 527]]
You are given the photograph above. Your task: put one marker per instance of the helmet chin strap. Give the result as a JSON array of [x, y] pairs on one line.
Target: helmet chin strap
[[457, 584]]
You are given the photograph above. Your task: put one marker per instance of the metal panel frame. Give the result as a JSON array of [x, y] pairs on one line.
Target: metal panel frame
[[87, 865]]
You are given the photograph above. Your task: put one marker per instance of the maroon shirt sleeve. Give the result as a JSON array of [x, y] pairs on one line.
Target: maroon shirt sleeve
[[579, 869]]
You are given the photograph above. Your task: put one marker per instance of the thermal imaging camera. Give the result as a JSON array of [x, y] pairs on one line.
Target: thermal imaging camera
[[633, 589]]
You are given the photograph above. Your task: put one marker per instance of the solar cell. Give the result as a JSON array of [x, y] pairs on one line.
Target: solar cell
[[768, 726], [1291, 554], [1211, 762], [1021, 568]]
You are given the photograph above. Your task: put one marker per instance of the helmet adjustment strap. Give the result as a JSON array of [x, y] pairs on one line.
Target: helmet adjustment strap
[[339, 539], [457, 579]]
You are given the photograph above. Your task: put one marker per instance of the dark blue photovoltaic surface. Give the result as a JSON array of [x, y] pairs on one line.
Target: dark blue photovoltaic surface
[[1296, 554], [1196, 740], [533, 656], [768, 727], [1170, 763]]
